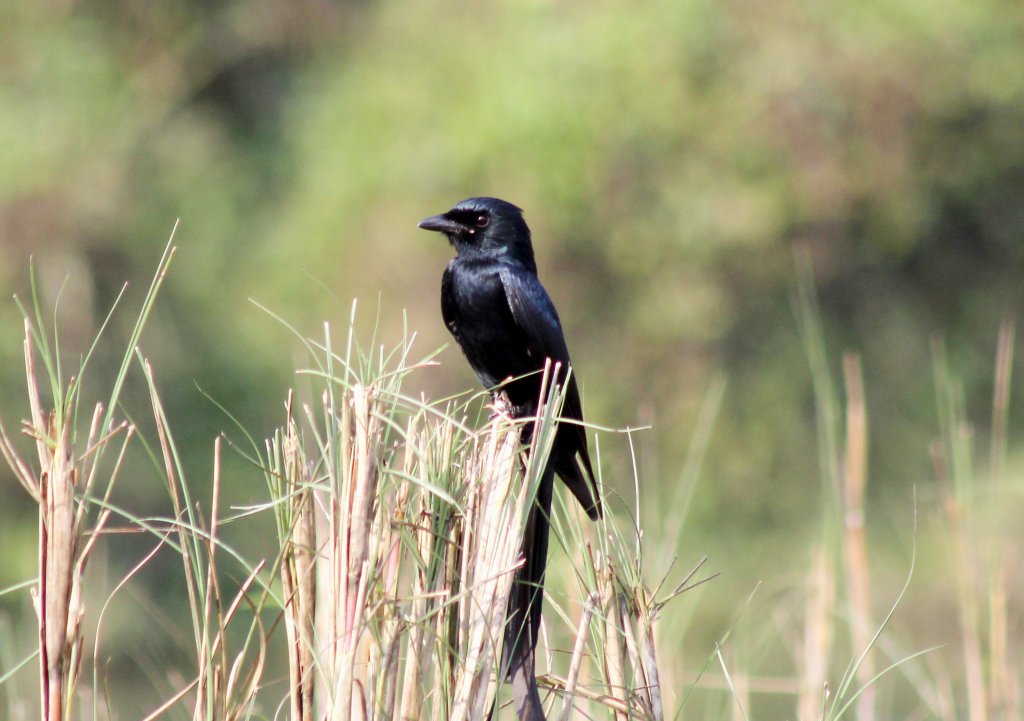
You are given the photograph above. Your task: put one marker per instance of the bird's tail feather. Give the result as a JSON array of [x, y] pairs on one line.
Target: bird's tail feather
[[524, 606]]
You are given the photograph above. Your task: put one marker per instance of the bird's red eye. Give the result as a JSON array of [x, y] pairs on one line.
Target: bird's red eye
[[482, 221]]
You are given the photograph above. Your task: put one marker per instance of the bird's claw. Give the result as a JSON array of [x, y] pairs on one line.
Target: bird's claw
[[501, 407]]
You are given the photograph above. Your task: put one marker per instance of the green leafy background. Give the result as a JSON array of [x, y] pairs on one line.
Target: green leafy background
[[674, 159]]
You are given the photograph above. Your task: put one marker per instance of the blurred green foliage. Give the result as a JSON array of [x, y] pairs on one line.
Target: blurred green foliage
[[671, 157]]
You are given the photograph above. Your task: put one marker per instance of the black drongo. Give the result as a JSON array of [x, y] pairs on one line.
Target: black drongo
[[507, 326]]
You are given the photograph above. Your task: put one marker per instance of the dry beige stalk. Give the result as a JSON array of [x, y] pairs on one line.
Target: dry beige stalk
[[490, 546], [63, 544], [1003, 685], [639, 678], [967, 596], [58, 536], [349, 497], [412, 680], [615, 677], [614, 703], [854, 542], [1001, 401], [818, 630], [298, 575], [572, 679], [649, 661]]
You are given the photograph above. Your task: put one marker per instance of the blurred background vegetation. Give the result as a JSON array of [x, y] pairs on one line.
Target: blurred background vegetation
[[673, 158]]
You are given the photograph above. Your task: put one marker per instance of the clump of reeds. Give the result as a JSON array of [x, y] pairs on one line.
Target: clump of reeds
[[68, 472], [975, 506], [400, 527], [399, 524], [400, 530], [71, 483]]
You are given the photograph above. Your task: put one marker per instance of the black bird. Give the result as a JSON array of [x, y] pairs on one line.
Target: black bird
[[507, 327]]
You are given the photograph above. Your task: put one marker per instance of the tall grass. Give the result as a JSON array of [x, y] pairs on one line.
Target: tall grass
[[400, 526], [71, 484], [397, 524]]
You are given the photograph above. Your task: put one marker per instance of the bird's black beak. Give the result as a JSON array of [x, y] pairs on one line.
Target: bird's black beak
[[440, 223]]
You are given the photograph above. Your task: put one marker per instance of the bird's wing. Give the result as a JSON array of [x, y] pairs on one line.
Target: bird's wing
[[535, 314]]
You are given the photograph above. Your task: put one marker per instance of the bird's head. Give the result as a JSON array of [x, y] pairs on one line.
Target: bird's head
[[487, 228]]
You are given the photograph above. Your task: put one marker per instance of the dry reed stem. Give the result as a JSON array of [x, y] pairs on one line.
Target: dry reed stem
[[1003, 686], [408, 709], [391, 526], [613, 703], [854, 542], [350, 526], [64, 547], [298, 572], [649, 660], [226, 686], [969, 610], [174, 490], [207, 698], [639, 679], [817, 636], [59, 589], [58, 597], [237, 692], [490, 542], [58, 618], [1001, 400], [576, 662], [615, 677], [352, 547], [412, 681]]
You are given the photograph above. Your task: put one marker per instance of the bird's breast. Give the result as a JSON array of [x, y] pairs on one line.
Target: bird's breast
[[477, 313]]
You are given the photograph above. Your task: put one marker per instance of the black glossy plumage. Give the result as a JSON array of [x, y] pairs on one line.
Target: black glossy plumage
[[506, 325]]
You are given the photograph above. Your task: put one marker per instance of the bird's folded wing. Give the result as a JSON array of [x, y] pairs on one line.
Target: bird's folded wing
[[535, 315]]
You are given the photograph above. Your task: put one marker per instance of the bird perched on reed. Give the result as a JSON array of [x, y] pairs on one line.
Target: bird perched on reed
[[506, 325]]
